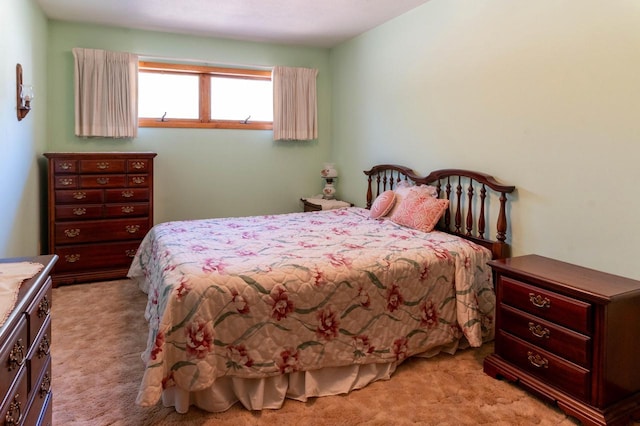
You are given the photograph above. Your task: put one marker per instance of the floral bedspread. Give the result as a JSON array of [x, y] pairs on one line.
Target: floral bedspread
[[260, 296]]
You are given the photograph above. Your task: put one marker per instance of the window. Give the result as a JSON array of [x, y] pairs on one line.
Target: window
[[178, 95]]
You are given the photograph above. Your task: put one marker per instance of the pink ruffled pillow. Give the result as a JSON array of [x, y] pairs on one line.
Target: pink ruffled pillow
[[419, 211], [382, 204]]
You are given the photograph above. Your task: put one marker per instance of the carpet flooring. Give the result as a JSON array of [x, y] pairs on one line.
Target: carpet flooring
[[99, 332]]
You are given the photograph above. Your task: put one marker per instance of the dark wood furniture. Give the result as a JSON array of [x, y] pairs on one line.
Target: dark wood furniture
[[455, 185], [25, 361], [100, 208], [569, 334], [311, 207]]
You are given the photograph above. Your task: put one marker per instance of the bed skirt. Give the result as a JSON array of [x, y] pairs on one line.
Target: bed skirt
[[270, 392]]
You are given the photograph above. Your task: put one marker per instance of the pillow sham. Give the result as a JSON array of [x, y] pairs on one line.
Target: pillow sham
[[419, 211], [382, 204]]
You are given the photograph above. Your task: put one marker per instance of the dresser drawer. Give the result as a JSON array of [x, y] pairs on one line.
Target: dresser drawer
[[13, 355], [111, 230], [552, 369], [556, 308], [14, 406], [40, 403], [138, 181], [39, 310], [65, 181], [127, 210], [126, 195], [95, 256], [103, 165], [76, 212], [63, 165], [138, 165], [40, 353], [566, 343], [84, 196], [102, 181]]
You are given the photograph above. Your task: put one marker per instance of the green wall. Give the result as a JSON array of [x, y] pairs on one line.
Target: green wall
[[22, 40], [543, 95], [200, 173]]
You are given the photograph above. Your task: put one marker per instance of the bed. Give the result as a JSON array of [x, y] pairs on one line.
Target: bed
[[259, 309]]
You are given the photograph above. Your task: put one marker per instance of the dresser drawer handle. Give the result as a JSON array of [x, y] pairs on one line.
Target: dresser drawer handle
[[138, 165], [72, 233], [132, 229], [43, 347], [72, 258], [138, 180], [65, 166], [44, 307], [45, 386], [127, 194], [80, 195], [537, 360], [130, 253], [79, 211], [65, 181], [14, 415], [539, 301], [103, 165], [16, 356], [539, 331], [128, 209], [102, 180]]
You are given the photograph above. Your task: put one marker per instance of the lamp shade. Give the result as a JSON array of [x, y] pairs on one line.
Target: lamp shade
[[329, 171]]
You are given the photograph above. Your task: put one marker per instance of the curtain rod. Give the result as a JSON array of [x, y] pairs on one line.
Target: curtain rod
[[205, 62]]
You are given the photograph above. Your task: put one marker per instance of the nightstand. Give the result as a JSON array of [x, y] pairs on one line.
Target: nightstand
[[315, 204], [570, 335]]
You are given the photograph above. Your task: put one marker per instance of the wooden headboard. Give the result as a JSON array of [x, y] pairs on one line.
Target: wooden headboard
[[475, 205]]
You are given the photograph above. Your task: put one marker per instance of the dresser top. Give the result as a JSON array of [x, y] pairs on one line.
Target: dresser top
[[559, 275], [28, 289], [109, 154]]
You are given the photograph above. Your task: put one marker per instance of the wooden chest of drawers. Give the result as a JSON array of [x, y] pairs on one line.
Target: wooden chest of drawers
[[570, 335], [100, 208], [25, 361]]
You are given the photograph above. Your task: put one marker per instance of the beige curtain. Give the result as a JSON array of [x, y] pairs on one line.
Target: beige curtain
[[106, 93], [295, 109]]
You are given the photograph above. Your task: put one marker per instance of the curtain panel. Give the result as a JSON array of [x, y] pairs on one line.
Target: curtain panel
[[295, 106], [106, 93]]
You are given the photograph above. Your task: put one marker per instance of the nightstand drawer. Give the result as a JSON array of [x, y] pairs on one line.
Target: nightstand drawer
[[554, 307], [553, 370], [566, 343]]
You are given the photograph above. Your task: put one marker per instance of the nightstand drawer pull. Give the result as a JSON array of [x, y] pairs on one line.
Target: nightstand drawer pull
[[102, 180], [79, 195], [138, 180], [537, 361], [539, 301], [44, 346], [79, 211], [539, 331], [127, 209], [127, 194], [103, 165], [65, 166], [72, 258], [138, 165]]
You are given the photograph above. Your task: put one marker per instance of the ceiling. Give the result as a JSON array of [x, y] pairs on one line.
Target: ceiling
[[315, 23]]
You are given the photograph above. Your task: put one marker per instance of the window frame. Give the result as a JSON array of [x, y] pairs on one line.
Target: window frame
[[204, 73]]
